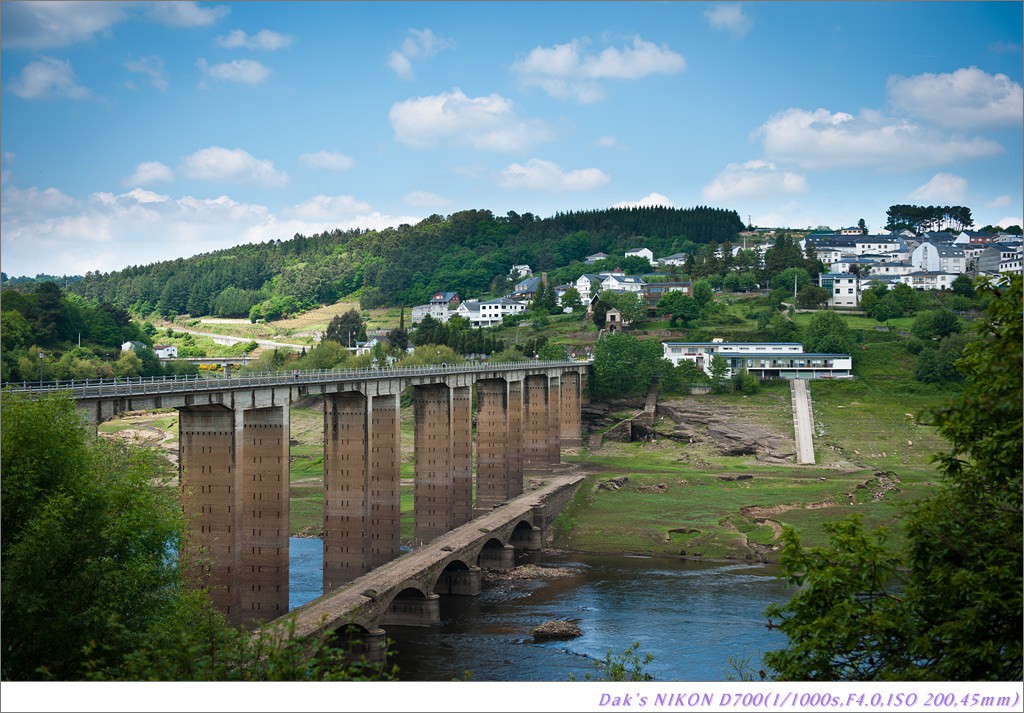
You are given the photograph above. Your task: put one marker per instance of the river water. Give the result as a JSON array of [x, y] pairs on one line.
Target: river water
[[691, 616]]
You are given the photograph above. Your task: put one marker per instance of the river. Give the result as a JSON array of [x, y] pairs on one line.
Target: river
[[691, 616]]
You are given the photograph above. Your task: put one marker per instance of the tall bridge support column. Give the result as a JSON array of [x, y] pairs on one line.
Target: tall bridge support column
[[234, 482], [554, 421], [206, 469], [263, 477], [514, 457], [492, 444], [385, 478], [570, 410], [535, 425], [433, 490], [462, 454], [362, 517]]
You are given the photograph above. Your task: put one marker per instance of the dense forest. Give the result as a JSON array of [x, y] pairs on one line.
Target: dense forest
[[463, 252]]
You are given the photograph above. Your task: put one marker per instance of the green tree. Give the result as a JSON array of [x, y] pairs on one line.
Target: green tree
[[954, 613], [86, 538], [812, 297], [346, 329], [571, 300], [935, 324], [703, 294], [963, 286], [719, 374], [624, 364], [827, 333], [679, 306]]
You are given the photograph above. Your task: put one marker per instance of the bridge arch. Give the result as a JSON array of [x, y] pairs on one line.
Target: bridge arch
[[413, 607]]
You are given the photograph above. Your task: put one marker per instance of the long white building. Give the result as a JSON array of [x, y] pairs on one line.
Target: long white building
[[765, 360]]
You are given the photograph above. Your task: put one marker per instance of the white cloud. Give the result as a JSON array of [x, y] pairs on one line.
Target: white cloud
[[329, 160], [232, 166], [651, 199], [606, 142], [326, 208], [567, 72], [149, 172], [48, 77], [419, 45], [424, 199], [1004, 47], [151, 66], [999, 202], [943, 188], [47, 231], [1007, 221], [186, 14], [540, 175], [40, 25], [753, 179], [821, 140], [967, 98], [729, 16], [247, 71], [262, 40], [488, 123]]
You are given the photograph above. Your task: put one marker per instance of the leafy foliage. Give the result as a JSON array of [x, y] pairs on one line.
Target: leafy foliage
[[827, 333], [956, 612]]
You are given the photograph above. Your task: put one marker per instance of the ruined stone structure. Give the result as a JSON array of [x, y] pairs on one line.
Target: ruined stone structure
[[234, 465]]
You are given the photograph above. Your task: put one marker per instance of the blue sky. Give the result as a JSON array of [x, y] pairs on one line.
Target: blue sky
[[137, 132]]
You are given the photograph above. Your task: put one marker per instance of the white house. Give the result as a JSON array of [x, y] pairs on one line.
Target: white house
[[626, 283], [588, 286], [843, 288], [766, 360], [518, 272], [491, 312], [133, 346], [596, 257], [939, 257], [924, 280], [678, 259], [441, 306], [166, 351], [641, 252]]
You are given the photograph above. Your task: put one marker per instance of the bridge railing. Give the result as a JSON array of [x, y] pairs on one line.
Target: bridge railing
[[140, 386]]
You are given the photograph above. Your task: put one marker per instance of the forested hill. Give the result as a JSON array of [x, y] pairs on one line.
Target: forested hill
[[464, 252]]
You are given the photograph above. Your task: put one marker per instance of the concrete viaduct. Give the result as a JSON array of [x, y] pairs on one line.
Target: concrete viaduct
[[234, 443]]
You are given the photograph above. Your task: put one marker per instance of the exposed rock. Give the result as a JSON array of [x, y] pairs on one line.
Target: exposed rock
[[555, 629], [615, 483], [731, 478], [656, 488]]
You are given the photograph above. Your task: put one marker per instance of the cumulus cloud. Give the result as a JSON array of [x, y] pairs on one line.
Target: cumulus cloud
[[1010, 220], [322, 207], [540, 175], [753, 179], [149, 172], [424, 199], [729, 16], [232, 166], [651, 199], [330, 160], [999, 202], [45, 24], [567, 72], [247, 71], [48, 77], [47, 231], [822, 139], [964, 99], [487, 123], [152, 67], [419, 45], [944, 188], [262, 40], [186, 14]]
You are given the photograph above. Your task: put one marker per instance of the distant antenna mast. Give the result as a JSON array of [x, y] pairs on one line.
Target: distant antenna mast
[[794, 288]]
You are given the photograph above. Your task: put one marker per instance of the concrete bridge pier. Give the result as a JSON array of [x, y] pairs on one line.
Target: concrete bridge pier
[[570, 410], [362, 509], [492, 444], [554, 421], [501, 557], [536, 426], [411, 608], [233, 468]]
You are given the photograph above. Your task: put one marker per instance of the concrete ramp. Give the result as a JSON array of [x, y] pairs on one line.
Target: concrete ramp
[[803, 421]]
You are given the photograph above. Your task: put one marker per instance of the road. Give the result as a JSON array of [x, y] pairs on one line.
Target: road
[[228, 339], [803, 421]]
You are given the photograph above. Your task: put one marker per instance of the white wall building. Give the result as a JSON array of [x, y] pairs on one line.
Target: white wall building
[[939, 257], [766, 360]]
